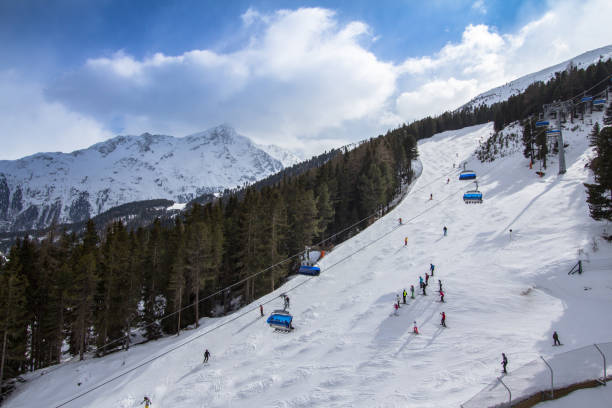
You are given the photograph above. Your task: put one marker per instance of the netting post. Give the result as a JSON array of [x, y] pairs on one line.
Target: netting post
[[604, 365], [509, 392], [552, 388]]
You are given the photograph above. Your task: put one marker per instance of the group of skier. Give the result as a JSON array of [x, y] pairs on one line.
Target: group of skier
[[423, 285]]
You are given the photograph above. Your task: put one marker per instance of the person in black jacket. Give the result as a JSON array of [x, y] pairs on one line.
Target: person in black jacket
[[556, 339], [504, 362]]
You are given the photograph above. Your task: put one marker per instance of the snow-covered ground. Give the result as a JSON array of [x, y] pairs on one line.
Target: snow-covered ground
[[503, 294]]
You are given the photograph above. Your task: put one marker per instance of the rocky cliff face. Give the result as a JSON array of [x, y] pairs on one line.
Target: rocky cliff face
[[70, 187]]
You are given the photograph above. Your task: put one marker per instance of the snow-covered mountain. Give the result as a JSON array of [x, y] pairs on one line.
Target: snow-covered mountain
[[287, 158], [70, 187], [502, 93]]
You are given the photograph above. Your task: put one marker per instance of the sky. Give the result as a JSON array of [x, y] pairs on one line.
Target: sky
[[306, 76]]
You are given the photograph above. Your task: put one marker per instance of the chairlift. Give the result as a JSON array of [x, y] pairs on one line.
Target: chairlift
[[309, 270], [473, 196], [467, 174], [542, 123], [281, 320], [553, 131], [599, 102], [586, 99]]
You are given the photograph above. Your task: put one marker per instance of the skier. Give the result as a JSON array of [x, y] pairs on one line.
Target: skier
[[440, 284], [412, 291], [415, 329], [400, 221], [421, 282], [146, 401], [445, 229], [447, 180], [261, 310], [396, 309], [286, 302], [405, 241], [206, 355], [397, 299], [431, 269], [556, 339], [431, 196], [405, 294], [504, 363], [426, 278], [441, 296], [424, 286], [443, 319]]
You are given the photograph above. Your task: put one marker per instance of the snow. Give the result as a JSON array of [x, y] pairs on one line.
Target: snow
[[177, 206], [503, 294], [286, 157], [133, 168], [502, 93]]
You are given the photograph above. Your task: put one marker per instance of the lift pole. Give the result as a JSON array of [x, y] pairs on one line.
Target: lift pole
[[562, 168]]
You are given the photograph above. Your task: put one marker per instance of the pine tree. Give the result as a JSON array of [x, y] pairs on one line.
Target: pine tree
[[528, 139], [599, 193], [82, 294], [325, 210], [594, 135], [14, 316]]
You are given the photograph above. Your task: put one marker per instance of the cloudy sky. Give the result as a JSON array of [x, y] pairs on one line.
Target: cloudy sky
[[303, 75]]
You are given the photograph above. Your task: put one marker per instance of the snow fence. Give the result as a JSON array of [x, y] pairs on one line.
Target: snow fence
[[539, 379]]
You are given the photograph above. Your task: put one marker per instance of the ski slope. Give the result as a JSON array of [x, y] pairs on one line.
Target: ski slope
[[503, 294]]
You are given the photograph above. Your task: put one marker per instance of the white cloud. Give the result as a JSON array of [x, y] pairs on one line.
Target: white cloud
[[32, 124], [434, 97], [301, 74], [303, 81], [484, 58], [479, 6]]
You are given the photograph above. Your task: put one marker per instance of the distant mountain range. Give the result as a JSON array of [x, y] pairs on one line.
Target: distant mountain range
[[502, 93], [38, 190]]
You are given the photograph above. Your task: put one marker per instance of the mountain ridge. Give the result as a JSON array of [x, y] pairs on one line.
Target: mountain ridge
[[514, 87], [55, 187]]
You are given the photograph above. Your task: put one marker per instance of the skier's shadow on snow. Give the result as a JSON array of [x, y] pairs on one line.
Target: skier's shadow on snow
[[246, 326], [394, 327], [425, 320], [194, 370]]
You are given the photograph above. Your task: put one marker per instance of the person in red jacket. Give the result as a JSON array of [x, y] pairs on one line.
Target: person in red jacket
[[441, 296], [443, 319]]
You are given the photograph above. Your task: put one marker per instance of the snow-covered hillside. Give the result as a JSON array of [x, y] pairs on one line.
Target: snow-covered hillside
[[503, 294], [37, 189], [502, 93]]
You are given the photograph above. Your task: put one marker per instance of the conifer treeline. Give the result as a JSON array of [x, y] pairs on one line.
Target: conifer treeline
[[599, 193], [79, 293]]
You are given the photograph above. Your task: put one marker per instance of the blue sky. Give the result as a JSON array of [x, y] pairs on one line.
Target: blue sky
[[305, 75]]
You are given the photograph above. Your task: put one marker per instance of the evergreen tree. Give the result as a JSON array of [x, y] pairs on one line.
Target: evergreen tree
[[528, 139], [14, 316], [82, 294], [325, 210], [599, 193]]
